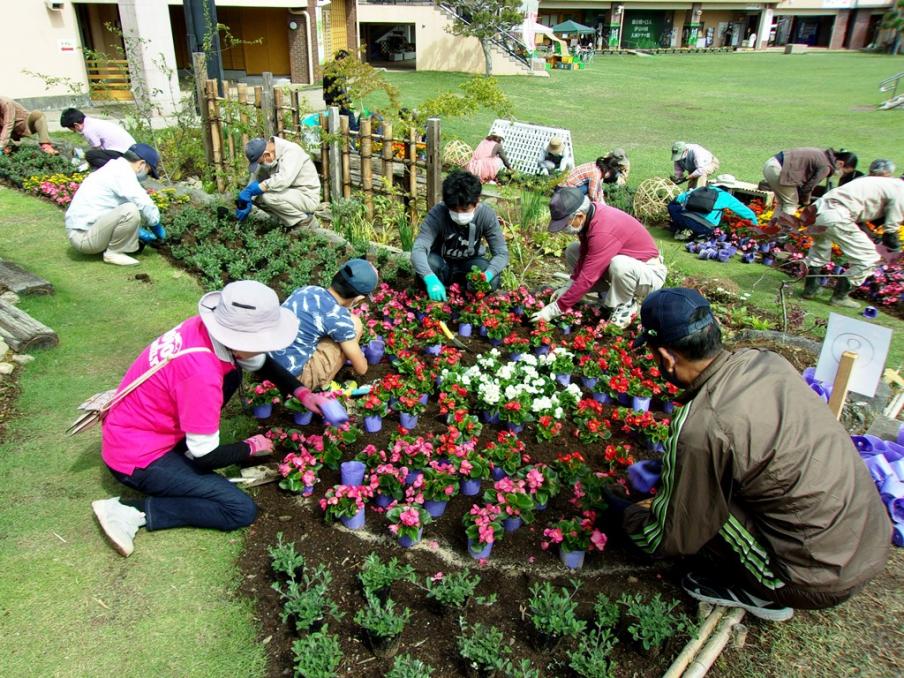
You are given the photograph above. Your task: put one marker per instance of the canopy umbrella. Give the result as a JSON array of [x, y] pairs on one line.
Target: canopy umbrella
[[572, 27]]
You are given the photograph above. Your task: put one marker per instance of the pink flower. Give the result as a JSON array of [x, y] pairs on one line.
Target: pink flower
[[438, 576], [598, 539], [554, 534], [410, 517], [284, 470], [393, 528]]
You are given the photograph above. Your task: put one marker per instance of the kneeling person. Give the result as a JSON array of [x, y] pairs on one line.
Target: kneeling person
[[697, 212], [449, 243], [328, 332]]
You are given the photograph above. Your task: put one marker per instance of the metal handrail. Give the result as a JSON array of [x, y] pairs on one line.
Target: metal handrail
[[891, 84], [503, 39]]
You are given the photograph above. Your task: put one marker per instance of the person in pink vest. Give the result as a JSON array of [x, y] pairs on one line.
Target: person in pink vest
[[615, 257], [488, 158], [163, 438]]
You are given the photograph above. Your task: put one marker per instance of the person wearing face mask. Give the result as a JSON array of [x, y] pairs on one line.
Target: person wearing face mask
[[757, 475], [284, 182], [328, 332], [450, 239], [107, 211], [793, 174], [615, 257], [163, 437]]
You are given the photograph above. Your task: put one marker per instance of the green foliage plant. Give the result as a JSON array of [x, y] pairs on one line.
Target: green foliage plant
[[654, 621], [605, 612], [592, 658], [317, 655], [452, 590], [307, 600], [375, 575], [407, 666], [284, 559], [485, 21], [382, 619], [482, 647], [553, 612]]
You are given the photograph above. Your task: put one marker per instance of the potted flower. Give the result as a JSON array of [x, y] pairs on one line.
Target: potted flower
[[440, 485], [383, 625], [542, 483], [591, 368], [409, 406], [483, 526], [506, 454], [498, 326], [387, 482], [346, 502], [299, 472], [452, 591], [374, 407], [548, 427], [264, 396], [575, 537], [515, 412], [406, 521], [317, 654], [334, 443], [641, 392], [562, 365], [541, 337], [553, 615], [478, 284], [431, 336], [516, 345], [472, 467], [468, 316], [512, 497], [301, 415], [415, 453], [592, 424]]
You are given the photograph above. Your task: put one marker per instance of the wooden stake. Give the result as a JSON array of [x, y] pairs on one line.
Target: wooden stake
[[346, 160], [434, 163], [268, 104], [325, 159], [216, 133], [199, 66], [367, 168], [412, 174], [278, 103], [387, 156], [335, 155], [842, 381]]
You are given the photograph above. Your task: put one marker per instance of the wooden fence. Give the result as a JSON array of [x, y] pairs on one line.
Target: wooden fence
[[365, 161], [108, 79]]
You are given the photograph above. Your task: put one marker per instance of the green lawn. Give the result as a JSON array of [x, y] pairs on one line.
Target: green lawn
[[69, 606]]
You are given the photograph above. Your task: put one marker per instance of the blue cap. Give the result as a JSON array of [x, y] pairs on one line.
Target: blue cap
[[147, 153], [666, 316], [359, 275], [254, 149]]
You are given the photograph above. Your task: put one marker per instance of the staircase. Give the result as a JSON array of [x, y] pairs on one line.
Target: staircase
[[891, 85]]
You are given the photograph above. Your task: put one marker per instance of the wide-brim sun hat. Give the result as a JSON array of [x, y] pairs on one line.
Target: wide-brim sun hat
[[556, 145], [246, 316], [725, 180]]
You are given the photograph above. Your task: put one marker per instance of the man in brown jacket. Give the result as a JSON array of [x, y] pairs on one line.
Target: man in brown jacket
[[757, 473], [16, 122], [793, 174]]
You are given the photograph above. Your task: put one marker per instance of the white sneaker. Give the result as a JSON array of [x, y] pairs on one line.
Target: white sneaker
[[119, 522], [623, 314], [119, 259]]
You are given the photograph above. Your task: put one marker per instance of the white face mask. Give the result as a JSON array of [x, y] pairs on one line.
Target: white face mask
[[142, 174], [266, 165], [462, 218], [252, 364]]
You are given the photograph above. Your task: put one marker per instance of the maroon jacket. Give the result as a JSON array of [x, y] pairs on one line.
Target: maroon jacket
[[609, 233]]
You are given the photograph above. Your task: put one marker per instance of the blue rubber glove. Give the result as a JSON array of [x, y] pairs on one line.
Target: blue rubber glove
[[488, 274], [242, 212], [435, 289], [145, 236], [159, 231], [250, 191]]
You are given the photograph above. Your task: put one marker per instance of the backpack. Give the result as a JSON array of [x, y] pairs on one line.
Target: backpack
[[701, 200]]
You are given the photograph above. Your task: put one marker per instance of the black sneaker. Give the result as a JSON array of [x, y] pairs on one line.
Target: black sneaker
[[710, 591]]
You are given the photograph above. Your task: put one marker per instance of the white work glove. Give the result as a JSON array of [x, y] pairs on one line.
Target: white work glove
[[558, 292], [547, 313]]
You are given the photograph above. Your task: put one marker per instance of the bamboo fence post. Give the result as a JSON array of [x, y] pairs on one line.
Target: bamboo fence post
[[412, 173], [325, 158], [258, 104], [268, 103], [434, 163], [335, 155], [388, 170], [216, 133], [229, 129], [199, 67], [243, 113], [278, 103], [296, 115], [367, 169], [346, 160]]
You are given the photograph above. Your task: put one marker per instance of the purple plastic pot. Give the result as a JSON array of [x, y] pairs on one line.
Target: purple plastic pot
[[879, 468], [433, 349], [563, 379], [668, 407], [373, 423], [644, 475], [515, 357], [470, 486], [307, 491], [624, 399], [765, 247], [540, 507], [868, 444], [892, 488], [262, 411], [424, 399], [768, 261], [870, 312], [374, 350], [489, 417], [809, 375], [820, 391], [352, 472], [514, 428], [498, 473], [900, 438], [897, 468], [724, 255], [897, 535], [639, 404], [435, 508], [303, 418], [541, 350], [495, 342], [356, 522], [412, 476], [465, 329], [482, 331], [573, 560], [408, 542], [382, 500], [408, 421], [690, 247], [748, 258], [332, 411], [512, 524], [602, 398], [518, 311], [589, 382], [893, 452], [479, 551], [566, 329]]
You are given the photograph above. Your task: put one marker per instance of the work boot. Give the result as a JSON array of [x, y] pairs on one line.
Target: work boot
[[811, 283], [840, 295], [623, 314], [684, 234], [119, 259], [119, 523], [708, 590]]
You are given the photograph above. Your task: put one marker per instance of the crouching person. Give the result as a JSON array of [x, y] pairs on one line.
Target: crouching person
[[163, 438]]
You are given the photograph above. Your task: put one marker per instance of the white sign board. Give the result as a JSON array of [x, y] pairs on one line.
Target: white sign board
[[870, 342]]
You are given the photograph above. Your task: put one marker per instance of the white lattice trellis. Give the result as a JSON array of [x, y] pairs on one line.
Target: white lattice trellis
[[523, 142]]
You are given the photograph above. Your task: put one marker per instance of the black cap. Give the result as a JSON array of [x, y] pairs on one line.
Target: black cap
[[666, 316], [564, 203]]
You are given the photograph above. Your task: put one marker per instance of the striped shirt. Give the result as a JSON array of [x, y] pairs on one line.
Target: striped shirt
[[588, 175]]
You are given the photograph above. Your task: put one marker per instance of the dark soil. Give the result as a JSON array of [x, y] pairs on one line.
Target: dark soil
[[516, 562], [9, 393]]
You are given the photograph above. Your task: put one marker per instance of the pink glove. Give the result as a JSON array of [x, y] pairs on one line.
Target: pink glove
[[308, 399], [260, 445], [320, 403]]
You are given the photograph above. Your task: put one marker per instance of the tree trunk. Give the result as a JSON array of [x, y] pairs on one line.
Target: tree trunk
[[487, 56]]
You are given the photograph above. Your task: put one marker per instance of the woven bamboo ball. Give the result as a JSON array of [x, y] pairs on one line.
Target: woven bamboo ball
[[652, 198], [457, 153]]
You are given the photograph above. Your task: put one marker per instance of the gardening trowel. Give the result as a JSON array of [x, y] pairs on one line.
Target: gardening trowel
[[451, 336]]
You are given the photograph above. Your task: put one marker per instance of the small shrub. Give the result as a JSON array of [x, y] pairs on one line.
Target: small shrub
[[552, 612], [376, 575], [482, 647], [452, 590], [592, 657], [655, 620], [317, 655], [605, 612], [307, 600], [409, 667], [381, 619], [523, 669], [284, 559]]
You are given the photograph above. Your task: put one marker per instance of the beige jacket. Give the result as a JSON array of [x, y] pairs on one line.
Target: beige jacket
[[293, 169], [14, 121], [869, 199]]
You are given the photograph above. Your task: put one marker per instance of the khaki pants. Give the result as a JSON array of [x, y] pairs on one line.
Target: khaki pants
[[704, 175], [290, 206], [326, 362], [37, 124], [854, 243], [627, 279], [116, 231], [786, 196]]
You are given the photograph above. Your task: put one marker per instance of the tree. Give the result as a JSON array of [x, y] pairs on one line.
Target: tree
[[894, 19], [485, 20]]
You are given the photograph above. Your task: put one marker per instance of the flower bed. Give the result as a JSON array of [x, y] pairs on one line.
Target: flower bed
[[510, 424]]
